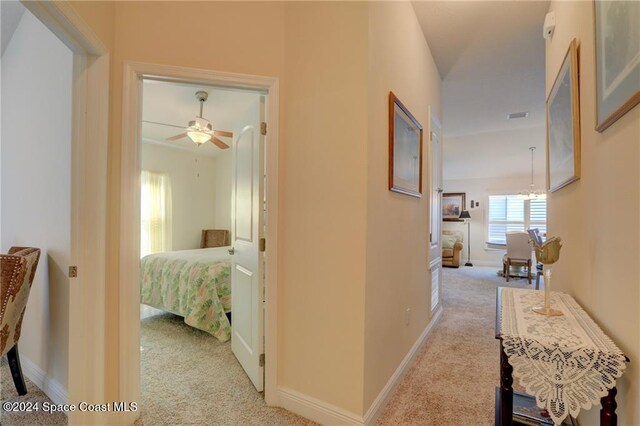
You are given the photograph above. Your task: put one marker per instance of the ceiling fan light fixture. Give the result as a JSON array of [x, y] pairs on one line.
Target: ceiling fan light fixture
[[200, 131], [199, 137]]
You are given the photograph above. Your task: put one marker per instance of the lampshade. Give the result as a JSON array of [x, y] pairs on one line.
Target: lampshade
[[465, 214], [199, 137]]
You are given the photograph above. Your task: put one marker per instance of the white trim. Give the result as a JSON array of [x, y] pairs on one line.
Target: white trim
[[63, 20], [316, 410], [129, 295], [435, 262], [90, 127], [378, 406], [52, 388]]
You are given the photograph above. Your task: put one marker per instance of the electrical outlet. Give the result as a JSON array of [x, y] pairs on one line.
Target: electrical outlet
[[407, 316]]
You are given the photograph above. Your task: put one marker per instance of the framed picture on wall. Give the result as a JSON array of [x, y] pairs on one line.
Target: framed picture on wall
[[617, 41], [452, 205], [405, 150], [563, 124]]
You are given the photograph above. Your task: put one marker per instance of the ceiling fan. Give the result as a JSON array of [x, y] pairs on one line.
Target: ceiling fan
[[200, 130]]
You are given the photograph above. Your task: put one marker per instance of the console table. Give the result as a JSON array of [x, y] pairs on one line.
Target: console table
[[566, 362]]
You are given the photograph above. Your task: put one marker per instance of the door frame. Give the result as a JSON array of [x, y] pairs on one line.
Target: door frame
[[129, 294], [90, 130]]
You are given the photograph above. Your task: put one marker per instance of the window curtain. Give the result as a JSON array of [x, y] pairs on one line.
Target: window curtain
[[155, 209]]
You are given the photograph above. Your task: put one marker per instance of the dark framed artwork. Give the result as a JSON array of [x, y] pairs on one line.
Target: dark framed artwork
[[452, 205], [405, 150], [563, 124], [617, 57]]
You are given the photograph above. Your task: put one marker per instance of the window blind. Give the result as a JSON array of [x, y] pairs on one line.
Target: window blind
[[510, 213]]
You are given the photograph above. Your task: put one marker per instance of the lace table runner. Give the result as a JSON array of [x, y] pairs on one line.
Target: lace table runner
[[566, 362]]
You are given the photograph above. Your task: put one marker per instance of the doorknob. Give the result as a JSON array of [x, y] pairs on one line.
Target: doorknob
[[232, 251]]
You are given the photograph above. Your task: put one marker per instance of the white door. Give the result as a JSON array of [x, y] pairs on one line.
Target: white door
[[435, 228], [247, 331]]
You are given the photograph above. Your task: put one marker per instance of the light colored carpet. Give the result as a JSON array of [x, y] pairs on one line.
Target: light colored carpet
[[453, 379], [190, 378], [34, 395]]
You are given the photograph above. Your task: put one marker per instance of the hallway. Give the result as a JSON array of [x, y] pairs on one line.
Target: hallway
[[453, 378]]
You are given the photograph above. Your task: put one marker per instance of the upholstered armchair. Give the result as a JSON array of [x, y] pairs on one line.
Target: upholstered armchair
[[215, 238], [518, 253], [17, 270], [452, 248]]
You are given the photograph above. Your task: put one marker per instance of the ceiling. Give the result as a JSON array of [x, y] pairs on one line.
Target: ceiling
[[491, 58], [176, 104]]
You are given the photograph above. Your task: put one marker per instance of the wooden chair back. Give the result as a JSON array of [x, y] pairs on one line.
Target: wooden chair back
[[215, 238]]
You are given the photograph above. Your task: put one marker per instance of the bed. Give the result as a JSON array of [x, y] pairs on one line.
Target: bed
[[195, 284]]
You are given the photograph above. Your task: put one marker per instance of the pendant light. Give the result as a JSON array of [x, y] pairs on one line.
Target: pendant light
[[532, 193]]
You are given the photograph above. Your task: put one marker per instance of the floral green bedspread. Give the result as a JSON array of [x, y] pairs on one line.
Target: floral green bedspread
[[195, 284]]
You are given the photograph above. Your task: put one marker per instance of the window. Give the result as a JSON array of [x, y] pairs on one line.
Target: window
[[155, 213], [509, 213]]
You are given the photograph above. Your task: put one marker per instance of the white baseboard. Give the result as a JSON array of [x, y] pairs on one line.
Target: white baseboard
[[316, 410], [327, 414], [378, 405], [52, 388]]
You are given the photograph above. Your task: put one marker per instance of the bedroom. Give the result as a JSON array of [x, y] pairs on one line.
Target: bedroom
[[199, 216]]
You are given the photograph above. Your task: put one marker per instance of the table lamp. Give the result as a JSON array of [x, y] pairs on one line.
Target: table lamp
[[465, 216]]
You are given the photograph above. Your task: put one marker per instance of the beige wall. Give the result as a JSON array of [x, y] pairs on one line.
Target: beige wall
[[99, 15], [323, 209], [598, 217], [397, 225]]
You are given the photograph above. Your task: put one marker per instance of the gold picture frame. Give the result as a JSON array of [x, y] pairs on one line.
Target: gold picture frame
[[563, 124], [405, 150], [453, 203]]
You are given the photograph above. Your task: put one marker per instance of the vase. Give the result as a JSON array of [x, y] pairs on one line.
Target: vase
[[547, 309]]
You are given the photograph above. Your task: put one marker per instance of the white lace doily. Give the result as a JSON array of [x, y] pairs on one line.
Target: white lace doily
[[566, 362]]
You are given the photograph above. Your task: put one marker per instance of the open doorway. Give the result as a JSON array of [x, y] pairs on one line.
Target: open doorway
[[36, 166], [129, 289], [202, 207], [74, 192]]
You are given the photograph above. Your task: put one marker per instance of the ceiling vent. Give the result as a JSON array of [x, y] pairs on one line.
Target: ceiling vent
[[515, 115]]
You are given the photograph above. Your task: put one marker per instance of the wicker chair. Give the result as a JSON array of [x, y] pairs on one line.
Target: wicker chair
[[17, 270], [214, 238]]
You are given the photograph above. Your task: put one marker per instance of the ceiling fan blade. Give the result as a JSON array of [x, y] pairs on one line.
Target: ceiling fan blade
[[176, 137], [163, 124], [217, 142], [223, 133]]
